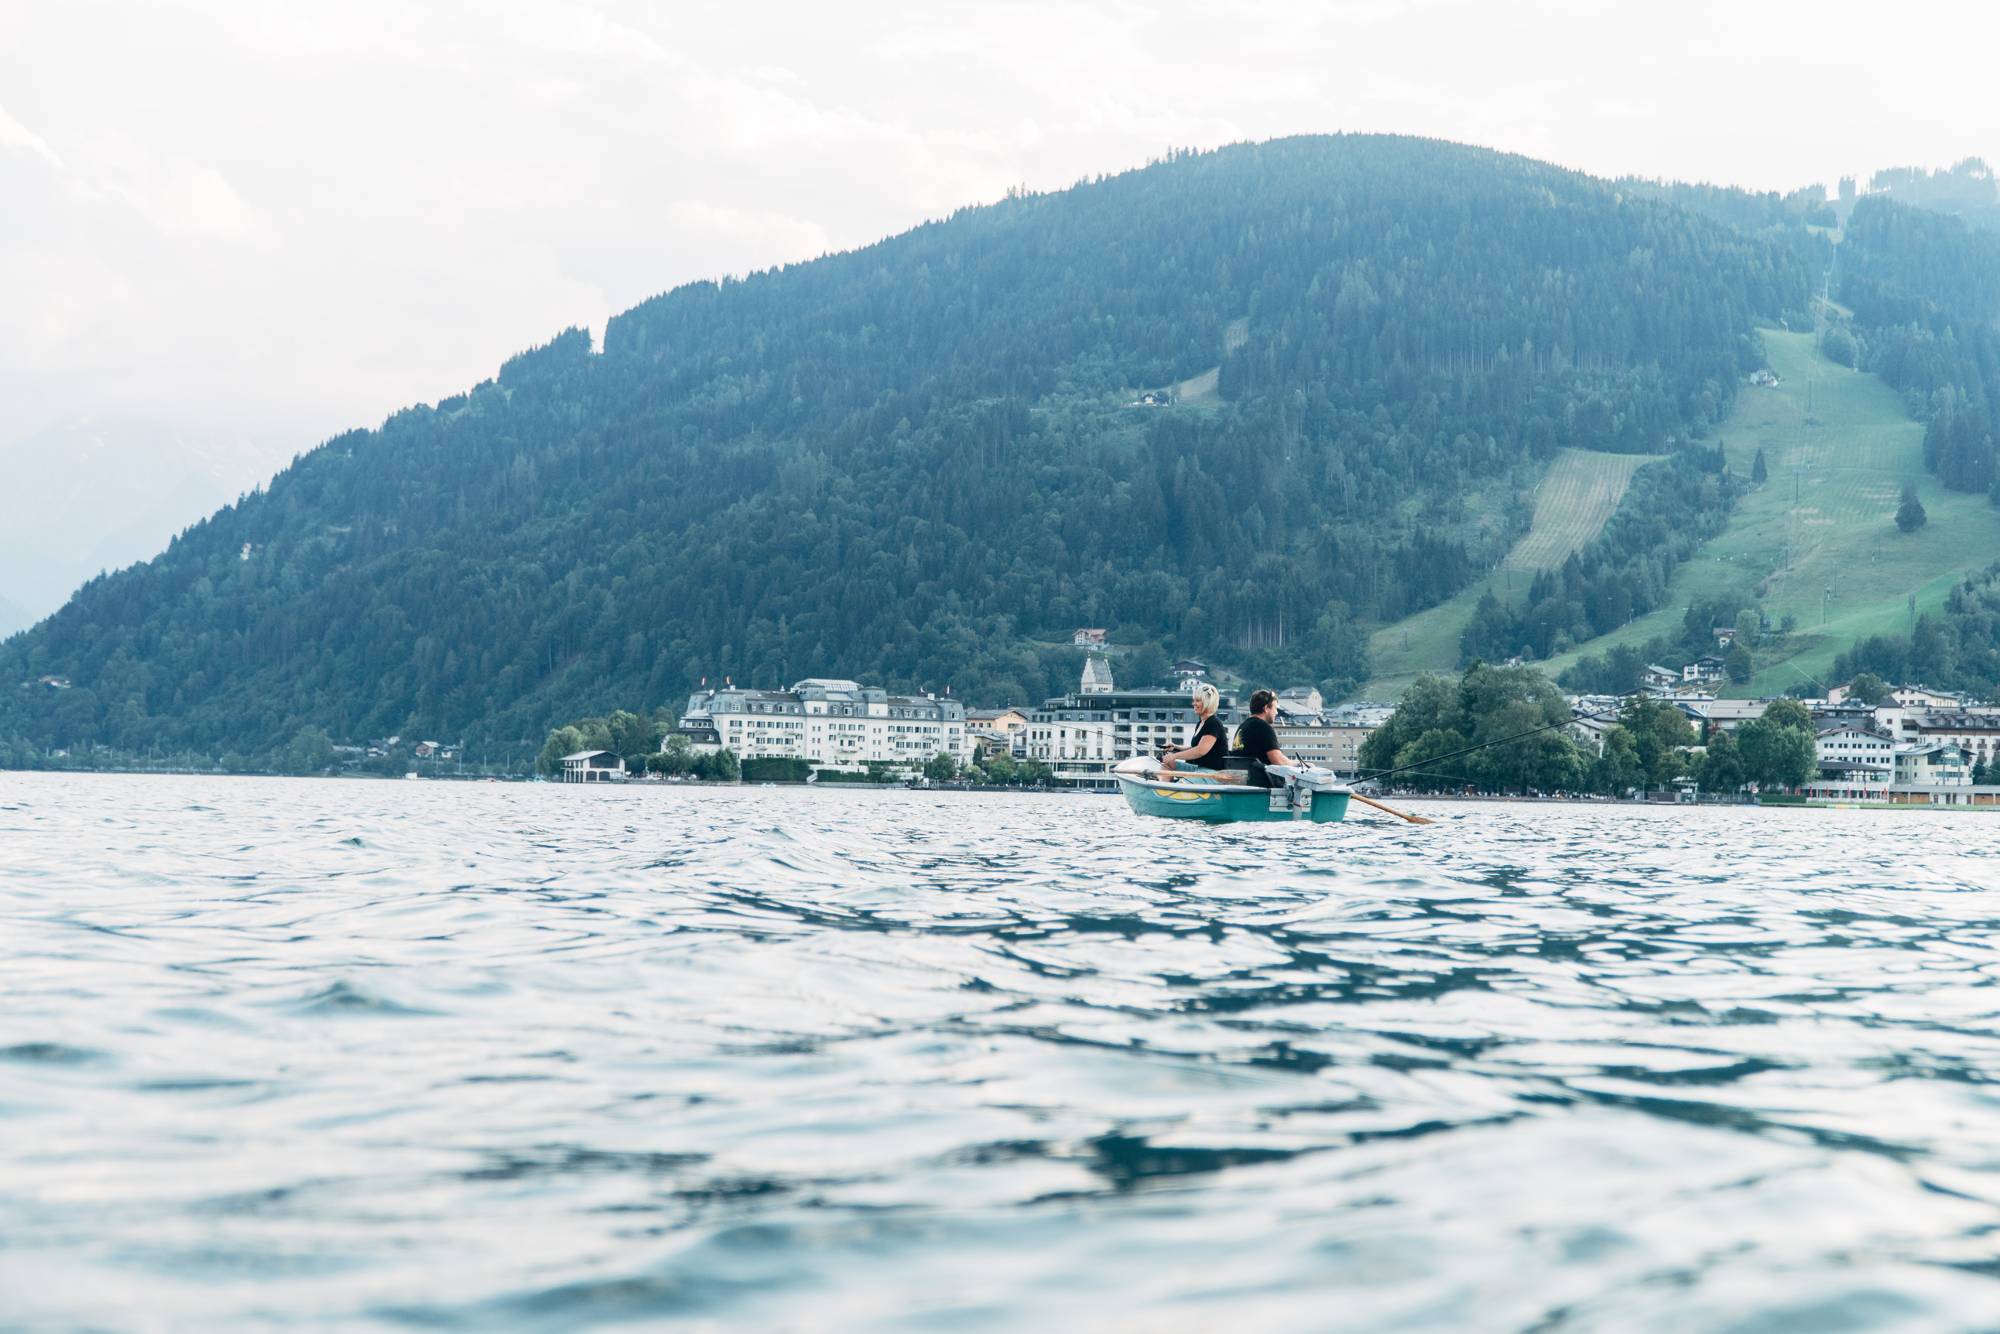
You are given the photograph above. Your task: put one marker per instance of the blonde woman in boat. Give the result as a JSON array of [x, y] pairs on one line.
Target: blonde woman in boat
[[1209, 747]]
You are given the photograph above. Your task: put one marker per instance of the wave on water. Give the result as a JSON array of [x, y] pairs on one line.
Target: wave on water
[[524, 1056]]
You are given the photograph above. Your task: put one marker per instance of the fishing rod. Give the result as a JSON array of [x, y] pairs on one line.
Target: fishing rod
[[1463, 780]]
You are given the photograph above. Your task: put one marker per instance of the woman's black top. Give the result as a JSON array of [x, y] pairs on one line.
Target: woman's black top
[[1218, 753], [1254, 740]]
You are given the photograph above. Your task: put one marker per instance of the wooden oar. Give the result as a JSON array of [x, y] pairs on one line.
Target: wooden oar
[[1384, 806]]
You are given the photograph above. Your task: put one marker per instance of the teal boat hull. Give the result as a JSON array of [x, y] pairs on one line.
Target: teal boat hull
[[1224, 803]]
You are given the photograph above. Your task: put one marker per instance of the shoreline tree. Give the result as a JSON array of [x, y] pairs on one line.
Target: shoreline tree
[[1517, 713], [1722, 767], [1779, 749]]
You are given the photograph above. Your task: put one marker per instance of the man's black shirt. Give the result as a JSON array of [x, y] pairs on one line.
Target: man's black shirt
[[1256, 739]]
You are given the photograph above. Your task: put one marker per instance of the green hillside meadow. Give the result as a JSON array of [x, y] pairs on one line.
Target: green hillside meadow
[[1574, 499], [1839, 447]]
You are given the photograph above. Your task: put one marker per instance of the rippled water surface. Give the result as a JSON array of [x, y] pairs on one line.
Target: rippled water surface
[[500, 1056]]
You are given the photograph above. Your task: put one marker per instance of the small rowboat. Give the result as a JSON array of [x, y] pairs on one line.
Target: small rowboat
[[1296, 793]]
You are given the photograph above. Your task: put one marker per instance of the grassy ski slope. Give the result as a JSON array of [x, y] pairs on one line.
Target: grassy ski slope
[[1818, 542], [1574, 499], [1201, 389]]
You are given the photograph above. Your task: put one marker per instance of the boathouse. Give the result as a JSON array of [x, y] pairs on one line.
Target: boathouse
[[593, 766]]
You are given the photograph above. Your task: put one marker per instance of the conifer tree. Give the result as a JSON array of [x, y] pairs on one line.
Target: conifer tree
[[1910, 514]]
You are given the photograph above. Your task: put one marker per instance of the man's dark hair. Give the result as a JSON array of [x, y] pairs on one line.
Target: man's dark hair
[[1262, 700]]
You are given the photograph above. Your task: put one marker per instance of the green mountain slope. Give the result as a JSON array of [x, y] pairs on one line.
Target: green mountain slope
[[1573, 501], [915, 461], [1815, 549], [1817, 543]]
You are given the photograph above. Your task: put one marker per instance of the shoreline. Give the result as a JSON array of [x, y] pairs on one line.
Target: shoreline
[[959, 788]]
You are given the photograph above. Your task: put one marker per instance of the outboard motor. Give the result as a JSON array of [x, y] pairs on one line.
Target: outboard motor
[[1293, 787]]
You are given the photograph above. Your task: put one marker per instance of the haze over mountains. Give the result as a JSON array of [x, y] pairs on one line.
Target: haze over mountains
[[926, 461], [85, 497]]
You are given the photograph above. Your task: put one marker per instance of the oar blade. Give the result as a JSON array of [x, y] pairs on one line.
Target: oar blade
[[1385, 806]]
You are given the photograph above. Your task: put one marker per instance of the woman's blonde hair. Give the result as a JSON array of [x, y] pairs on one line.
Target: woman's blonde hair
[[1209, 697]]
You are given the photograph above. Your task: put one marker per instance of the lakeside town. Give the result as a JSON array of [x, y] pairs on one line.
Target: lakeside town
[[1871, 743], [829, 729]]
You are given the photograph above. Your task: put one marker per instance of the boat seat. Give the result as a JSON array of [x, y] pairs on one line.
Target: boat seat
[[1242, 764]]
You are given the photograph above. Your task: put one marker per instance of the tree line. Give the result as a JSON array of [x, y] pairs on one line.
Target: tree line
[[1509, 730], [1925, 289]]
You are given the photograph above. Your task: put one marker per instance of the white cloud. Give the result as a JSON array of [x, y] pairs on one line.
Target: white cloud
[[15, 135], [187, 199], [759, 239]]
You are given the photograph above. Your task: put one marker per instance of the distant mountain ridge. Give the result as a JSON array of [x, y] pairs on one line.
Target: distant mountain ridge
[[1968, 190], [83, 497], [919, 462]]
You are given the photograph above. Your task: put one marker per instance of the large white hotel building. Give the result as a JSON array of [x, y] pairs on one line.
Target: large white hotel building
[[830, 724]]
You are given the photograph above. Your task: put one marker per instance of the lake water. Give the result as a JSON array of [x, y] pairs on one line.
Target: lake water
[[479, 1056]]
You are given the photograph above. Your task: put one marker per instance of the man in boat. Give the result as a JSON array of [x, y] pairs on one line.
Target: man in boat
[[1257, 738], [1209, 747]]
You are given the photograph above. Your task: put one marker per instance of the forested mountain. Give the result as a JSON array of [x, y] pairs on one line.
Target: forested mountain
[[1925, 290], [919, 462]]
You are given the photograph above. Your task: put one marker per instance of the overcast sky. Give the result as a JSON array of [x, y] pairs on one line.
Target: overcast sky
[[277, 218]]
